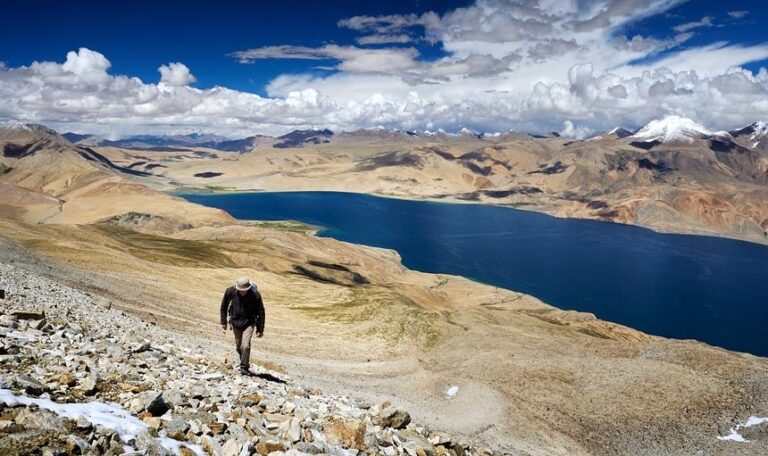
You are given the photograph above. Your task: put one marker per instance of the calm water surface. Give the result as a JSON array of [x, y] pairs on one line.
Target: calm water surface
[[688, 287]]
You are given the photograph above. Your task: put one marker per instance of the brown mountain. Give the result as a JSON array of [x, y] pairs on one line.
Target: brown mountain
[[680, 181], [44, 177]]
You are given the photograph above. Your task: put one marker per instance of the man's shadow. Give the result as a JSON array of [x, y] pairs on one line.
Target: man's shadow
[[267, 377]]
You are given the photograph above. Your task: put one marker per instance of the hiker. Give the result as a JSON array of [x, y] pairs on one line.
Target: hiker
[[246, 314]]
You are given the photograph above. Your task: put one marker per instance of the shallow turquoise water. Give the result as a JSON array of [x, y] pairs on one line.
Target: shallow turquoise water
[[689, 287]]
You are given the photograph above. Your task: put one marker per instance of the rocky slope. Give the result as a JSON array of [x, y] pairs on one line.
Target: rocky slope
[[80, 377]]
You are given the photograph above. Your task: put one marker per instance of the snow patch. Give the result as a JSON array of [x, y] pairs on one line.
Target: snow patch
[[674, 129], [110, 416], [759, 132], [21, 336], [451, 392], [211, 376], [13, 125], [734, 434]]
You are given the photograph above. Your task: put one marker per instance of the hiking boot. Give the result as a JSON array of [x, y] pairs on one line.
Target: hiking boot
[[244, 371]]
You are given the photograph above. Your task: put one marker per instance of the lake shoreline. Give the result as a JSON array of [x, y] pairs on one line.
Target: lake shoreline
[[453, 200], [632, 317]]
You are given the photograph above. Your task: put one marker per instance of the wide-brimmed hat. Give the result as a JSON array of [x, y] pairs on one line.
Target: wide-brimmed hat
[[243, 284]]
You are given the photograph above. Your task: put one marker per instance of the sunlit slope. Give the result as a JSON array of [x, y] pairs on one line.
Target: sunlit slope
[[705, 185]]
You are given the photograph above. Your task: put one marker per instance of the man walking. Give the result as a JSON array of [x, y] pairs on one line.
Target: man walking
[[246, 314]]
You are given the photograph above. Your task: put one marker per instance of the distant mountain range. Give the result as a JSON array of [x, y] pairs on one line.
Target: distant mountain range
[[673, 174], [668, 130], [169, 142]]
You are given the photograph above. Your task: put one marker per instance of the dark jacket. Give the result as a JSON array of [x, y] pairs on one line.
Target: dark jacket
[[243, 310]]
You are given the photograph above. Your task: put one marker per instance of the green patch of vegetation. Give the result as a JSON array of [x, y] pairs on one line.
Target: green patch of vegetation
[[219, 188], [285, 225], [595, 333], [170, 251], [381, 313]]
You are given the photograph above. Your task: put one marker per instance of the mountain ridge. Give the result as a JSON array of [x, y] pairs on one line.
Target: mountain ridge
[[671, 128]]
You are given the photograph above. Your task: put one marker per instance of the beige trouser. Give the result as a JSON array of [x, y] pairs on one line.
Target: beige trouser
[[243, 344]]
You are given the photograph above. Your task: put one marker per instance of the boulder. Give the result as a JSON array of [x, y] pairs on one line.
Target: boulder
[[154, 403], [8, 321], [236, 431], [210, 446], [234, 447], [141, 348], [37, 324], [290, 430], [439, 438], [268, 446], [416, 444], [251, 399], [29, 315], [177, 429], [76, 445], [148, 445], [215, 428], [347, 433], [393, 417], [83, 424], [136, 406], [54, 451], [89, 385], [67, 379], [29, 384], [173, 397], [309, 448], [199, 392], [43, 420], [153, 422]]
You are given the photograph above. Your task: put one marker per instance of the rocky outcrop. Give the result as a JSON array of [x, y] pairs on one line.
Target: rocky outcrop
[[81, 378]]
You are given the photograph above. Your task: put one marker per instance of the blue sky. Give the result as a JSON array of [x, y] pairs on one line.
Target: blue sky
[[138, 36], [490, 65]]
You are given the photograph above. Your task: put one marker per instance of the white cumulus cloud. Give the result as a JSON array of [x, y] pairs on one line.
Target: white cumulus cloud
[[570, 130], [534, 65], [175, 74]]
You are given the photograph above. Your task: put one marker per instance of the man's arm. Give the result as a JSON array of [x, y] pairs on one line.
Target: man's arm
[[260, 314], [224, 306]]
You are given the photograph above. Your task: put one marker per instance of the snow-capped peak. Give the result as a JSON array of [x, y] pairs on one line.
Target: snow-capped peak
[[673, 129], [13, 125], [619, 132], [759, 131], [756, 132]]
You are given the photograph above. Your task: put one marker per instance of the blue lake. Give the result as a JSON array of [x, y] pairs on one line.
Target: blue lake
[[688, 287]]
